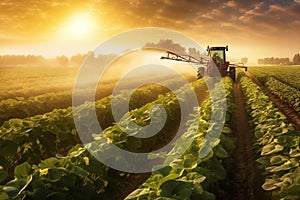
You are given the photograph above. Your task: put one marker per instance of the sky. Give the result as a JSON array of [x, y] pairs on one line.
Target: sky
[[253, 29]]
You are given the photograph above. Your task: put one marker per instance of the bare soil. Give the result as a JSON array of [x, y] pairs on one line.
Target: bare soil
[[286, 109], [243, 174], [128, 184]]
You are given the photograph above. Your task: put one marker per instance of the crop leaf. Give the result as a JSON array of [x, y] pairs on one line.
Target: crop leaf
[[277, 160], [138, 193], [22, 170], [269, 185], [54, 175], [271, 148]]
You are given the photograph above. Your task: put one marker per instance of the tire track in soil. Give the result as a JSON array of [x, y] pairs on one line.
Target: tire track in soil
[[243, 174], [286, 109]]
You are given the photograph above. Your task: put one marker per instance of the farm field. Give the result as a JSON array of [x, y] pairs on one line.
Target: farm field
[[282, 82], [24, 82], [35, 91], [149, 100], [287, 74], [256, 155], [276, 143]]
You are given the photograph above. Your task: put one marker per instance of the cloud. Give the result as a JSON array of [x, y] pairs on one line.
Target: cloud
[[205, 15], [207, 20], [41, 16], [33, 17], [272, 18]]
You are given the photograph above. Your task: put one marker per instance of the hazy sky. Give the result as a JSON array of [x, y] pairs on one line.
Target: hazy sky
[[254, 29]]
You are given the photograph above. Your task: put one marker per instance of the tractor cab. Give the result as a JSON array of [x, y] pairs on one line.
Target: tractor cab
[[218, 53], [220, 64], [218, 61]]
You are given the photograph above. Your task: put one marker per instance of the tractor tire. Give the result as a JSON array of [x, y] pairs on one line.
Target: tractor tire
[[200, 73], [232, 73]]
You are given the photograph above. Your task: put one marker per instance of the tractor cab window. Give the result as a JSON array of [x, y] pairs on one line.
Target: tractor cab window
[[217, 56]]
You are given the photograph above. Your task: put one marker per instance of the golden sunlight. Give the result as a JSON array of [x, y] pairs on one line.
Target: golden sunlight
[[79, 25]]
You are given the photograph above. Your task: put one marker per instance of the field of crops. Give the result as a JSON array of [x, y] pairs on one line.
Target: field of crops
[[283, 81], [24, 82], [277, 143], [42, 156], [287, 74]]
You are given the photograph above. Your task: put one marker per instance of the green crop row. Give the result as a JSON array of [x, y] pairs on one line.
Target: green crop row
[[191, 176], [42, 136], [78, 175], [286, 74], [277, 143], [33, 81], [27, 107], [22, 108], [63, 177], [285, 92]]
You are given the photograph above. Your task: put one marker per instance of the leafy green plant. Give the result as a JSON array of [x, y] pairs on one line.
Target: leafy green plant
[[277, 143], [286, 93], [37, 137], [34, 105], [77, 176], [192, 177], [284, 86], [285, 74]]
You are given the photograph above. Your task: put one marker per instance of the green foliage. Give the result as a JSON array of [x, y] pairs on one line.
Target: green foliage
[[126, 140], [77, 175], [43, 90], [285, 74], [41, 136], [283, 82], [21, 83], [286, 93], [59, 178], [277, 143], [27, 107], [22, 108], [189, 176]]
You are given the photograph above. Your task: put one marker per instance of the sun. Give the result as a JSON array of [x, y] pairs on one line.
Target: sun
[[79, 25]]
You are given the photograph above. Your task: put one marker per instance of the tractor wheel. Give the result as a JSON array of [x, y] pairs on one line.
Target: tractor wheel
[[232, 73], [200, 73]]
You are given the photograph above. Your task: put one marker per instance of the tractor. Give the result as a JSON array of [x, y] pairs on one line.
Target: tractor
[[212, 66]]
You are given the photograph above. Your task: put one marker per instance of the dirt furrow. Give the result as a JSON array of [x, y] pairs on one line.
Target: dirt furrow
[[244, 180]]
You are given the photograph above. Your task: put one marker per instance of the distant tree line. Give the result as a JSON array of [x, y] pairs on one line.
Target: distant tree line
[[74, 60], [244, 60], [62, 60], [29, 60], [21, 60], [167, 44], [296, 59], [280, 61], [78, 59], [90, 59], [13, 60], [274, 61]]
